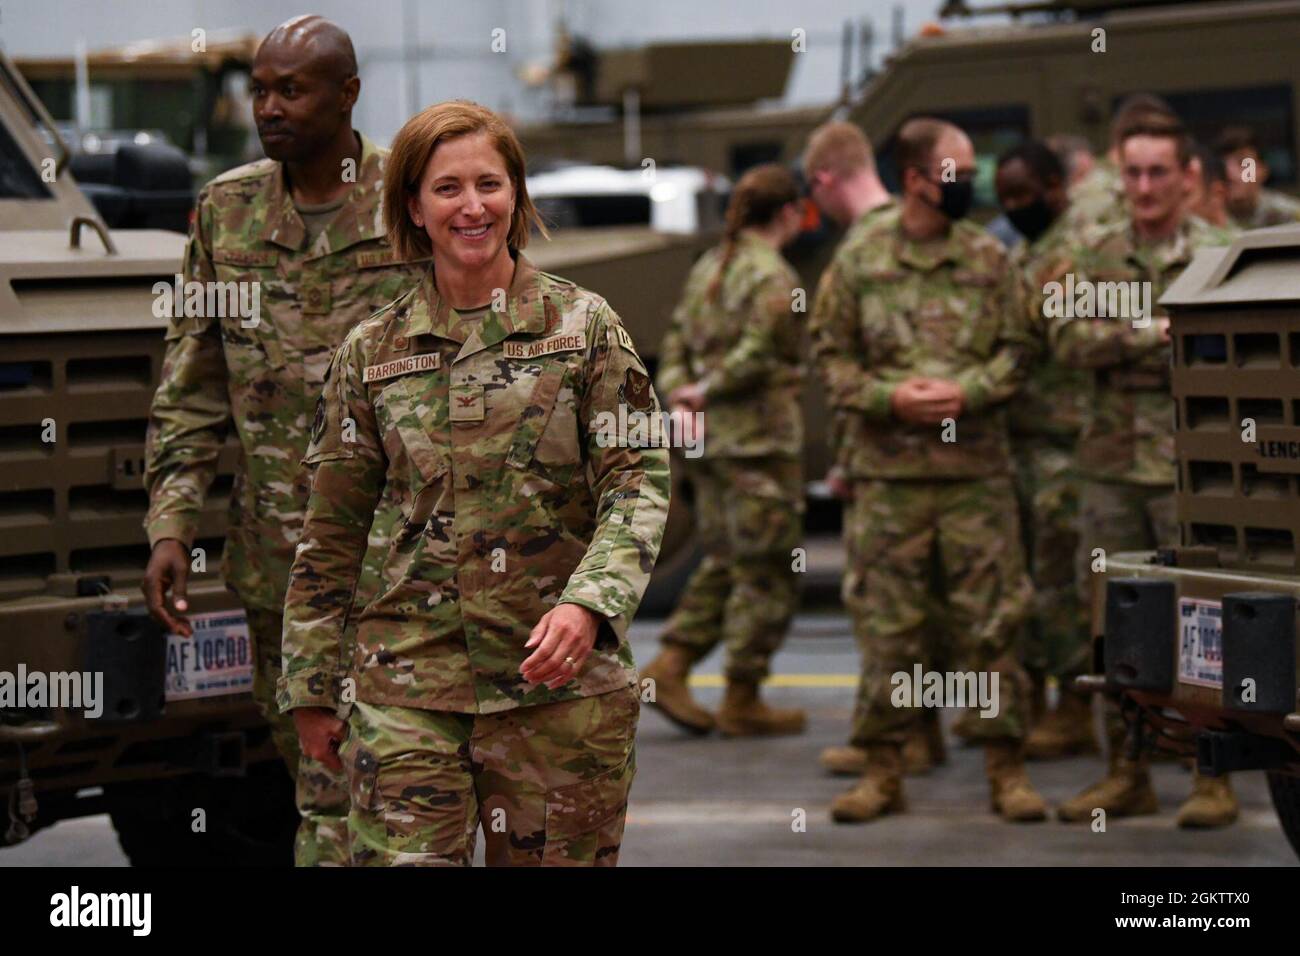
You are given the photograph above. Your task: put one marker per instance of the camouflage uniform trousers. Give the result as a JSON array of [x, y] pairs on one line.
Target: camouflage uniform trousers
[[745, 591], [321, 793], [549, 783], [895, 531], [1119, 516], [1047, 485]]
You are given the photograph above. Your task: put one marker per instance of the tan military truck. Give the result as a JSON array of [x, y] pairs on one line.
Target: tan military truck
[[172, 746], [80, 353], [1200, 638]]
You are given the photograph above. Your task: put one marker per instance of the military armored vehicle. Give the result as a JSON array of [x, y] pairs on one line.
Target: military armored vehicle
[[81, 348], [81, 354], [190, 89], [1218, 62], [1199, 639]]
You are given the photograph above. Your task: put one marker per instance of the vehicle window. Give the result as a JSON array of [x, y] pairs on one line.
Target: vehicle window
[[566, 212], [1267, 110], [745, 155], [19, 179]]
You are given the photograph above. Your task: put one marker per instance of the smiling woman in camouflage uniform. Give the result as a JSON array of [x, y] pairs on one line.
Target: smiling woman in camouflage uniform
[[493, 678]]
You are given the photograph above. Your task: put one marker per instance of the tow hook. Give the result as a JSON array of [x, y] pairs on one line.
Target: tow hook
[[22, 804]]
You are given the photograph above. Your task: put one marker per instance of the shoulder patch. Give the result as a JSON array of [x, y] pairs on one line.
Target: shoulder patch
[[624, 338], [635, 391]]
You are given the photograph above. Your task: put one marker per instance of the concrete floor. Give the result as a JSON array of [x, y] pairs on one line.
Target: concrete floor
[[713, 801], [710, 801]]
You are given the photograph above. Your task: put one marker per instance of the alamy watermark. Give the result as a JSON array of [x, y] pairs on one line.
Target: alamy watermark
[[1084, 299], [71, 690], [75, 908], [963, 689], [220, 300], [629, 428]]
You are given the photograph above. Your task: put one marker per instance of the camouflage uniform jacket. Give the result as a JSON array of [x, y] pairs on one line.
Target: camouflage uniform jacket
[[889, 309], [746, 348], [1129, 432], [265, 377], [1098, 198], [514, 461], [1052, 405], [1273, 209]]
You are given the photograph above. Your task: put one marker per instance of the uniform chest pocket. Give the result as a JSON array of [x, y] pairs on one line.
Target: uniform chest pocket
[[546, 438], [414, 420], [242, 299], [979, 308], [886, 312]]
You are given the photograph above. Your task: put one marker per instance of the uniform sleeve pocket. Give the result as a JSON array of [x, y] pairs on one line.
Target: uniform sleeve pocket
[[598, 554]]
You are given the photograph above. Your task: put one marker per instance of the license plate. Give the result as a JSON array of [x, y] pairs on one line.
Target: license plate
[[1200, 642], [216, 661]]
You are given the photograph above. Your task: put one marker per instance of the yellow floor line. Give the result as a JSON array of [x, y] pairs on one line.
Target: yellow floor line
[[784, 680]]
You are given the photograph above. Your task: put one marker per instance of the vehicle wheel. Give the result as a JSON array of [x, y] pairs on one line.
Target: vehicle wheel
[[249, 821], [1285, 791]]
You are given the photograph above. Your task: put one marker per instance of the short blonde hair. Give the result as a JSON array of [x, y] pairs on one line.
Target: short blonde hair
[[410, 153], [838, 147]]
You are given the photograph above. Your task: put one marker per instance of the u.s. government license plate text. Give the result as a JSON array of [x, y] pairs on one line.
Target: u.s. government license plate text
[[1200, 642], [217, 660]]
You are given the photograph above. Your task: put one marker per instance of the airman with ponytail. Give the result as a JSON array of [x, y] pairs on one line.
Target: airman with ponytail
[[732, 356]]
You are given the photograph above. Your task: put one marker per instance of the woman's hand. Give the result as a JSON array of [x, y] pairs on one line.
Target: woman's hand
[[563, 638], [319, 734]]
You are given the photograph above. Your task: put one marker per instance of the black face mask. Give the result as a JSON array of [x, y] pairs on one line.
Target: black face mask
[[955, 198], [1031, 220]]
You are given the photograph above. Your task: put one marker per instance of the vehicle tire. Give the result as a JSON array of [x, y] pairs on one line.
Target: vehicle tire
[[1284, 788], [249, 821]]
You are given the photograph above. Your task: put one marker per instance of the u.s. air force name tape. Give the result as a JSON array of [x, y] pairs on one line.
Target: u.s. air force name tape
[[402, 366], [556, 343]]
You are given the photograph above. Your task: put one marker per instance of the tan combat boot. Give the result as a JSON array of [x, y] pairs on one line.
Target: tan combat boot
[[1212, 803], [1012, 795], [880, 790], [923, 749], [672, 696], [1126, 792], [847, 761], [1063, 732], [743, 714]]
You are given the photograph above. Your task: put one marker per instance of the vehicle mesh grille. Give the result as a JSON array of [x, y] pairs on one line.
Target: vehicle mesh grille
[[74, 506]]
